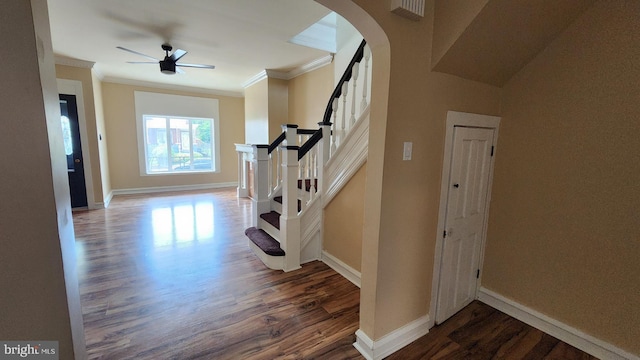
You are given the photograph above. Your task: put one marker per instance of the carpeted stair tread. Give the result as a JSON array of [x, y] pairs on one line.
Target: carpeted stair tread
[[278, 199], [307, 182], [264, 241], [272, 218]]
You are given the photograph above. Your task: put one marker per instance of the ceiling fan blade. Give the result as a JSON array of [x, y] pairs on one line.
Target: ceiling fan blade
[[142, 62], [177, 55], [197, 66], [137, 53]]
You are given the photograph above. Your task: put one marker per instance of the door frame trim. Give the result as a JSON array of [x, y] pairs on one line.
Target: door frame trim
[[74, 87], [456, 118]]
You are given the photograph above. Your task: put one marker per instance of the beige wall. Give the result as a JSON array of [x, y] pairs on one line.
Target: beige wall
[[40, 298], [256, 112], [278, 98], [401, 197], [564, 233], [121, 134], [85, 76], [343, 221], [308, 96]]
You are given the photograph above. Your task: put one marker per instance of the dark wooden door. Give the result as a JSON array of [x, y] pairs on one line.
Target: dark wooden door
[[73, 150]]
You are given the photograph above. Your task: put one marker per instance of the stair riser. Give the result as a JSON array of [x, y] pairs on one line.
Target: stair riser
[[276, 206], [272, 262], [269, 229]]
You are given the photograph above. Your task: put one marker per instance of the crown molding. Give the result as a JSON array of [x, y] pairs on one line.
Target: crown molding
[[314, 65], [278, 74], [97, 72], [153, 85], [288, 75], [255, 79], [63, 60]]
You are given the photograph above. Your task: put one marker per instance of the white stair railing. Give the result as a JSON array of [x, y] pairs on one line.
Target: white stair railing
[[343, 110], [301, 155]]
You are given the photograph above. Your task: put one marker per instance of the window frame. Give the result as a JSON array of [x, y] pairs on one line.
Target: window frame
[[176, 107], [169, 144]]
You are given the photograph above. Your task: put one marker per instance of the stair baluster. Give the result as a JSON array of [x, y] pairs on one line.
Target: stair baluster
[[345, 90], [355, 71], [365, 83], [278, 166], [270, 175], [334, 106]]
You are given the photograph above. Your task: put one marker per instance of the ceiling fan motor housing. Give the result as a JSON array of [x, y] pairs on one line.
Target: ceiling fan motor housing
[[168, 67]]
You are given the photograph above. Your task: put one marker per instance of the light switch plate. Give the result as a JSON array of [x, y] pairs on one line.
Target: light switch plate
[[408, 148]]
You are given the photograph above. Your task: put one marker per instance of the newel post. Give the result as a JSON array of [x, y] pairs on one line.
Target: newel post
[[260, 182], [289, 220], [244, 153], [291, 131]]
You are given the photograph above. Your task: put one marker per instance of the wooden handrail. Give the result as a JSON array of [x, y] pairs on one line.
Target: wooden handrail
[[306, 131], [313, 140], [277, 141], [357, 57]]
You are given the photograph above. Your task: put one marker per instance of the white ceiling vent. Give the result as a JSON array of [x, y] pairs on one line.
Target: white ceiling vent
[[411, 9]]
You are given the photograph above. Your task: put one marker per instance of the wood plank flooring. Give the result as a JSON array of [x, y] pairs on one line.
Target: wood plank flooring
[[481, 332], [170, 276]]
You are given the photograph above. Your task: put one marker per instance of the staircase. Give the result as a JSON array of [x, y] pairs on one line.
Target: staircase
[[296, 175]]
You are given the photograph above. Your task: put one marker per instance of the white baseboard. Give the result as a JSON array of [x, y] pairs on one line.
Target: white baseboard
[[341, 268], [107, 200], [157, 189], [392, 342], [555, 328]]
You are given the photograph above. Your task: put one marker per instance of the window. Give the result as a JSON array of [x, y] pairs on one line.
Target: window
[[177, 134], [174, 145]]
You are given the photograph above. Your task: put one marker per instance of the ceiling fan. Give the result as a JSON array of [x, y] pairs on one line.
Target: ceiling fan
[[169, 64]]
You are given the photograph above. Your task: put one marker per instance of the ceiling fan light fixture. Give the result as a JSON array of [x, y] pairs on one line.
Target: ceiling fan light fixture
[[168, 67]]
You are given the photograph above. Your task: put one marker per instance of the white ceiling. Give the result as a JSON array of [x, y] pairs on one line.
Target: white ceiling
[[240, 37]]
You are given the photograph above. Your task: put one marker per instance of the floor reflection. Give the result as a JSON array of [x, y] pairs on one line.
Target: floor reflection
[[182, 224]]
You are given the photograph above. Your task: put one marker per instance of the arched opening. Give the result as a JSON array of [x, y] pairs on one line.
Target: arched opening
[[380, 48]]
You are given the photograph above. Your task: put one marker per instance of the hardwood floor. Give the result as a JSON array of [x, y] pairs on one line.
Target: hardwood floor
[[481, 332], [171, 276]]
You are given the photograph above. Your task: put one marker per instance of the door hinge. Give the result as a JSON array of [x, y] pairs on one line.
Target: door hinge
[[492, 151], [478, 274], [444, 235]]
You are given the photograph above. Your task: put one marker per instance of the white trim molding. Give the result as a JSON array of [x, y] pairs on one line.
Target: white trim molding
[[313, 65], [156, 86], [67, 61], [393, 341], [107, 200], [157, 189], [555, 328], [341, 268], [288, 75]]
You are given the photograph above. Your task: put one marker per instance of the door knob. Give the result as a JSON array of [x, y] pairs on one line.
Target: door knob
[[76, 161], [456, 185]]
